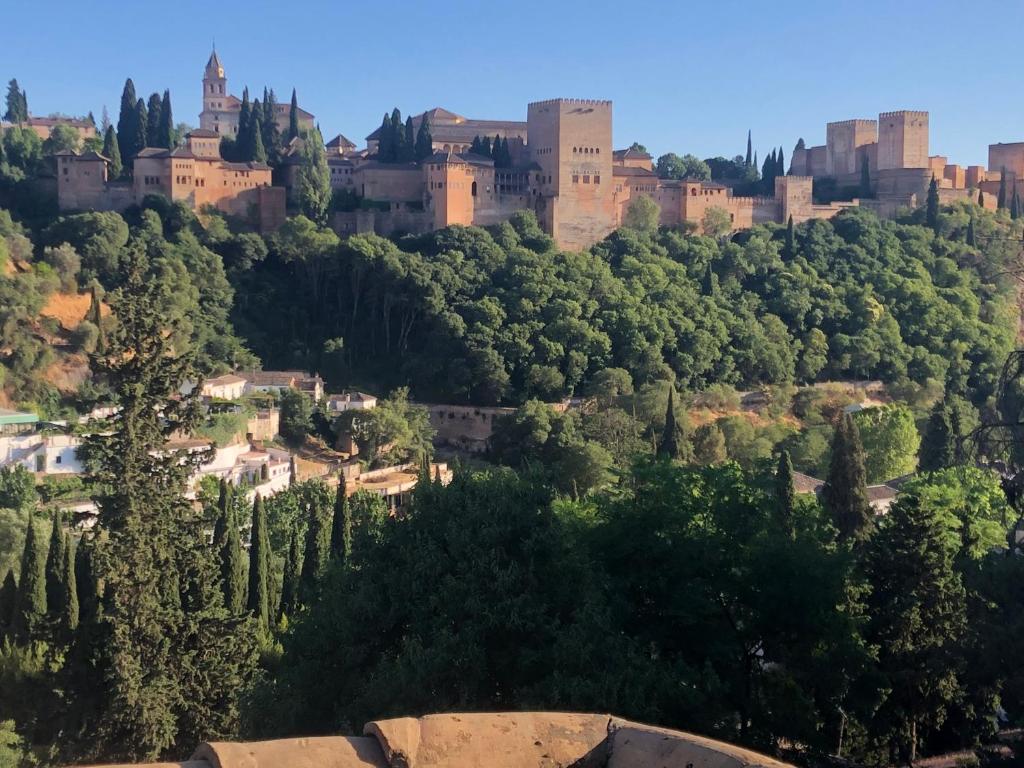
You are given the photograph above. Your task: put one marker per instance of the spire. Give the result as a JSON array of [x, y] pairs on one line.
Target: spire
[[213, 66]]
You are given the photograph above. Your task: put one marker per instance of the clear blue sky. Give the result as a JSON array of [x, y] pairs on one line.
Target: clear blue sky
[[684, 76]]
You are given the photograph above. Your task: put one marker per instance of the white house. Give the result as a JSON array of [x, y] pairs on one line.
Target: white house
[[350, 401], [43, 453], [227, 387]]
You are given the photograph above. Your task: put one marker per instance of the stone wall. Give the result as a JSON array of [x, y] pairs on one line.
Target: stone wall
[[843, 139], [902, 140]]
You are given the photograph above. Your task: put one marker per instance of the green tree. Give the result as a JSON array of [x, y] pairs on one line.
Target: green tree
[[296, 416], [112, 151], [341, 525], [939, 447], [672, 166], [709, 445], [8, 602], [865, 178], [17, 488], [17, 104], [717, 222], [890, 439], [749, 161], [63, 138], [259, 154], [259, 565], [30, 607], [394, 432], [69, 613], [668, 446], [785, 492], [845, 494], [293, 117], [314, 179], [141, 125], [931, 215], [292, 577], [229, 553], [790, 247], [917, 609], [1001, 198], [55, 586], [318, 549], [642, 215], [424, 140], [165, 130], [153, 120], [970, 233]]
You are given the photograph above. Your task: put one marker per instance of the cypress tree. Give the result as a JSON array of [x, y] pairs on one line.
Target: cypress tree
[[397, 136], [220, 525], [230, 558], [292, 575], [264, 472], [424, 140], [845, 494], [112, 151], [970, 232], [259, 565], [69, 599], [385, 141], [496, 150], [270, 134], [8, 601], [957, 433], [409, 142], [141, 122], [127, 135], [165, 133], [341, 525], [981, 198], [293, 472], [785, 492], [865, 178], [30, 607], [17, 103], [314, 561], [931, 215], [153, 110], [754, 165], [668, 447], [477, 146], [1001, 198], [55, 567], [749, 160], [85, 582], [780, 164], [938, 446], [244, 117], [259, 153], [1015, 205], [485, 146], [790, 239], [293, 117]]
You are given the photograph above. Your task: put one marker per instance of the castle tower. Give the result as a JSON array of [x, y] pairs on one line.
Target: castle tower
[[215, 95], [902, 140], [571, 141]]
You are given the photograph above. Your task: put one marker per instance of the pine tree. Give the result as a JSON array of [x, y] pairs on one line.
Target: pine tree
[[931, 215], [938, 446], [69, 598], [385, 141], [259, 154], [970, 232], [112, 151], [341, 525], [749, 161], [259, 565], [165, 132], [55, 566], [1001, 198], [785, 492], [292, 576], [30, 607], [790, 248], [8, 601], [424, 141], [845, 494], [865, 178], [127, 131], [409, 142], [141, 123], [153, 110], [668, 447], [314, 562], [293, 117]]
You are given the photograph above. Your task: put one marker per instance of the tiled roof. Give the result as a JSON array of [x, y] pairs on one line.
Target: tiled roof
[[340, 141], [805, 483], [202, 133], [630, 154], [623, 170]]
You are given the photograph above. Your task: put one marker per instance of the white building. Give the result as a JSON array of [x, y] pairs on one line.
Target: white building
[[47, 454]]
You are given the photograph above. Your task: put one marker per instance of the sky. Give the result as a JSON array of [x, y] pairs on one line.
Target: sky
[[684, 77]]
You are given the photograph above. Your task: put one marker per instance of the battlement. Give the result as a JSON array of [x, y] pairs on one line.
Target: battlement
[[858, 122], [581, 102], [904, 113]]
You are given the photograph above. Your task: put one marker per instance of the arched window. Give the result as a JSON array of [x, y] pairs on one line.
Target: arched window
[[693, 192], [474, 189]]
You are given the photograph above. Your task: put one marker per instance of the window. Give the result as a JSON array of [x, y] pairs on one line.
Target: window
[[58, 459], [575, 178], [586, 178], [474, 189], [597, 179]]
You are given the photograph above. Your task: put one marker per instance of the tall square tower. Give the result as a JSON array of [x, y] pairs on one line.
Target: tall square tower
[[842, 141], [571, 141], [902, 140]]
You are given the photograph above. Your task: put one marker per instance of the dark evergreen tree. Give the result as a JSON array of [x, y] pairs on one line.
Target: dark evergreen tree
[[865, 178], [292, 577], [85, 581], [127, 130], [780, 164], [785, 492], [397, 136], [8, 601], [476, 147], [668, 446], [424, 140], [69, 610], [931, 215], [153, 110], [1001, 198], [938, 445], [970, 232], [341, 525], [17, 104], [790, 249], [749, 160], [271, 133], [293, 117], [55, 566], [318, 543], [385, 141], [112, 152], [259, 153], [259, 565], [30, 608], [485, 147], [244, 119], [409, 142], [229, 551], [141, 126], [165, 133], [845, 494], [981, 198], [1015, 205]]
